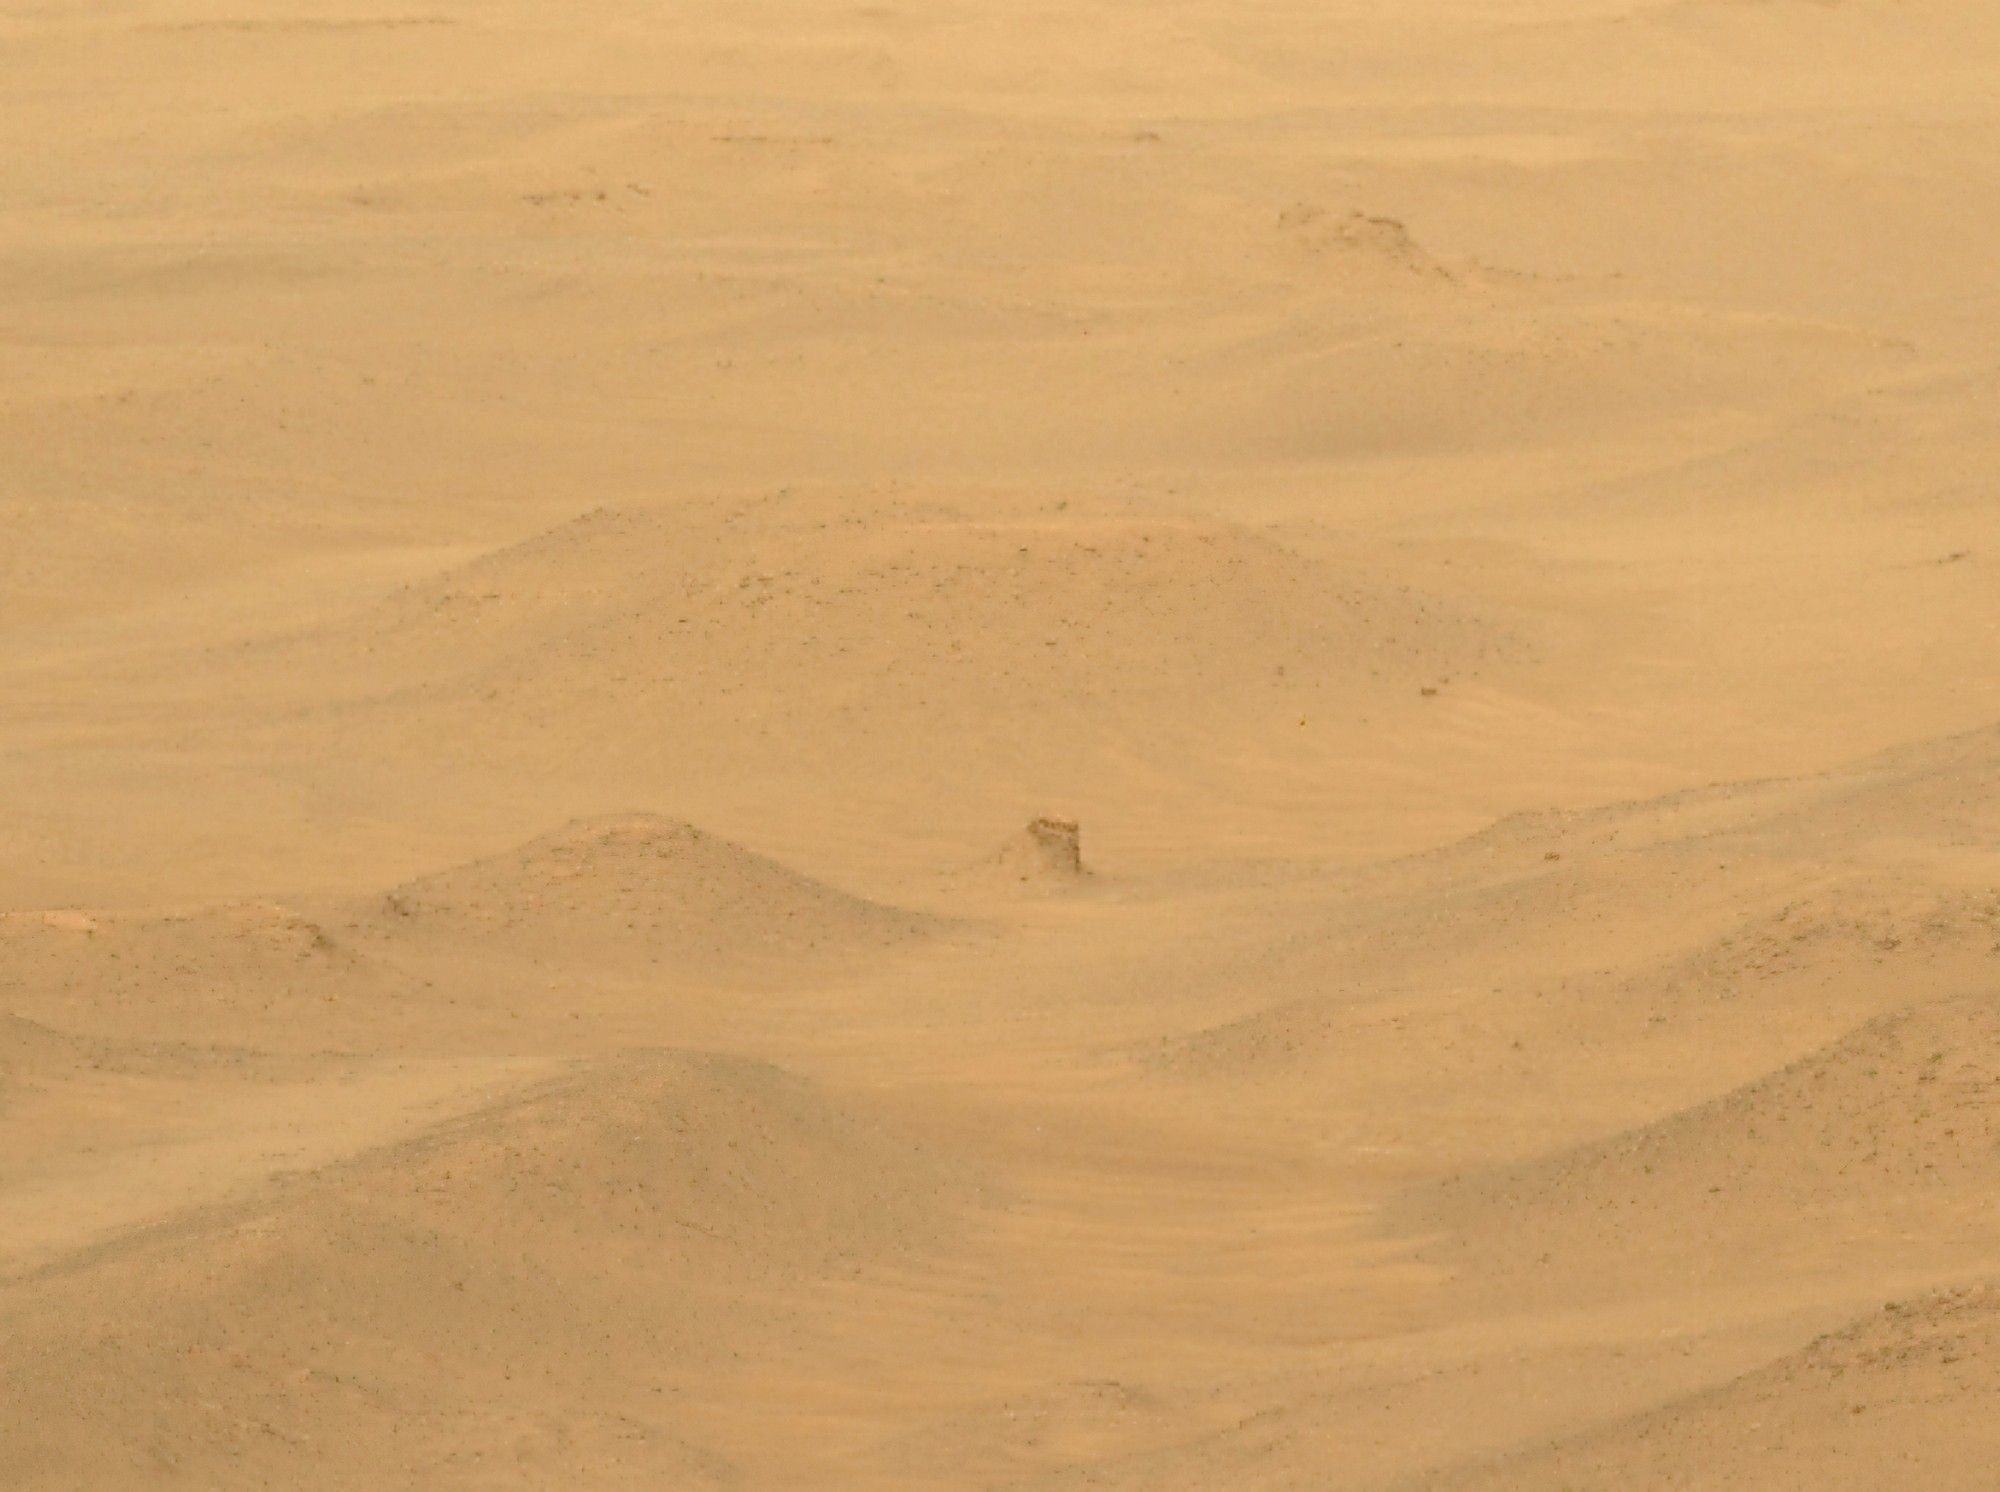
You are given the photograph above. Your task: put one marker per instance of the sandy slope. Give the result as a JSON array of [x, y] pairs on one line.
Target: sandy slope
[[469, 1299], [1903, 1395], [969, 746], [1882, 1140]]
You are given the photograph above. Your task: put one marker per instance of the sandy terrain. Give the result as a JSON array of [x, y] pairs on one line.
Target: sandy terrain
[[1168, 747]]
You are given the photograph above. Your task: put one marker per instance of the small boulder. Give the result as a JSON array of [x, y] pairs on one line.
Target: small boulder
[[1047, 850]]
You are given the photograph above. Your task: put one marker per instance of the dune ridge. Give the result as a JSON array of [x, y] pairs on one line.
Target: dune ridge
[[639, 881]]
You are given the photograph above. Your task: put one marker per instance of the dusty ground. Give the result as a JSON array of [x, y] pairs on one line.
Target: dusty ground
[[549, 556]]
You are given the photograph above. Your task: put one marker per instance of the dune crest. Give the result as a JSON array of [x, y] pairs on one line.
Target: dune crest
[[602, 886]]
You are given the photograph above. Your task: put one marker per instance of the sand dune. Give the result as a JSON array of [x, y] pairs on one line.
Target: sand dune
[[35, 1053], [920, 748], [631, 887], [1593, 972], [412, 1312], [772, 612], [1902, 1394], [182, 975], [261, 972], [640, 901], [1887, 1134]]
